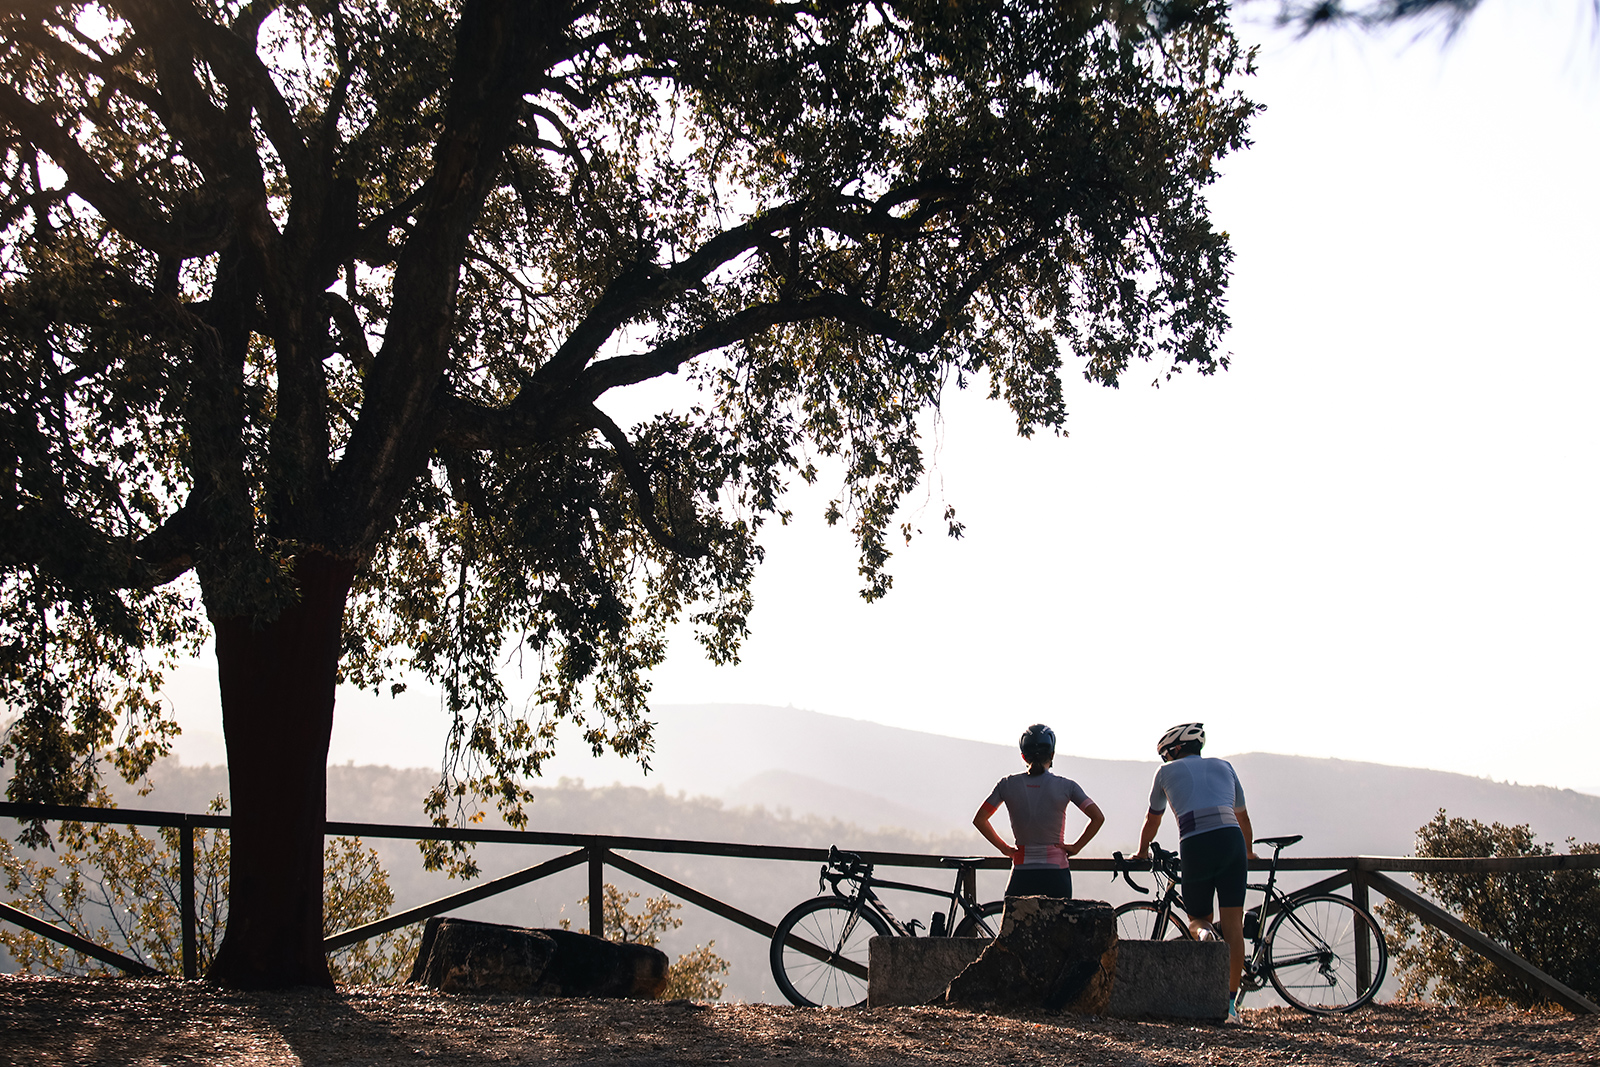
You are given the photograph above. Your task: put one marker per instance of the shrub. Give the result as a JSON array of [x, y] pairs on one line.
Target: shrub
[[1549, 918]]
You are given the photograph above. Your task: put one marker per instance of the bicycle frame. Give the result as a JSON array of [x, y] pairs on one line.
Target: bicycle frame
[[845, 867]]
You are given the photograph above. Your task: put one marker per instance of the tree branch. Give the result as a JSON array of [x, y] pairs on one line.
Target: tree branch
[[500, 44], [648, 285], [639, 481], [124, 205], [80, 555]]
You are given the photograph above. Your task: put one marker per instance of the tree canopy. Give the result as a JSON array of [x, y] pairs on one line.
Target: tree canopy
[[311, 314]]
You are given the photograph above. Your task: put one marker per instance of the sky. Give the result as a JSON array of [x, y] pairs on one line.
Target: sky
[[1374, 537]]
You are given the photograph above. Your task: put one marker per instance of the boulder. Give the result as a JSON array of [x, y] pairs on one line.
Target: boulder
[[1058, 955], [462, 956], [586, 966]]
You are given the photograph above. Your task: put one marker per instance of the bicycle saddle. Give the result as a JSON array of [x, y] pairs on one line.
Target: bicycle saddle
[[1280, 842], [960, 861]]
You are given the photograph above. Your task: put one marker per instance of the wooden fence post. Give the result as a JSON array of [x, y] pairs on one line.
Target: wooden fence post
[[191, 949], [597, 891], [1358, 895]]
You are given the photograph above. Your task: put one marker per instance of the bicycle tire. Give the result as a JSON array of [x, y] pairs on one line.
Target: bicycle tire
[[809, 982], [992, 910], [1311, 955], [1137, 922]]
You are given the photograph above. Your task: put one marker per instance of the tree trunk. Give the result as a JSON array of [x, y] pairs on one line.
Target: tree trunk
[[278, 680]]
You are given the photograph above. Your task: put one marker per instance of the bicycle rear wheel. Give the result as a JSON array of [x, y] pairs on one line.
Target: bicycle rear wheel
[[837, 933], [1137, 922], [989, 915], [1312, 955]]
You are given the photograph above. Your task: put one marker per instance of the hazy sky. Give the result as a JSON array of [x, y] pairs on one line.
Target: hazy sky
[[1375, 537]]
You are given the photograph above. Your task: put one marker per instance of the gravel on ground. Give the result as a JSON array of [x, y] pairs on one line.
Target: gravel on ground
[[46, 1022]]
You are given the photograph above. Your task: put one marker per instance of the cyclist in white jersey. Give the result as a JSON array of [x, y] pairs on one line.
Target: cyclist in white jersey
[[1214, 838], [1037, 804]]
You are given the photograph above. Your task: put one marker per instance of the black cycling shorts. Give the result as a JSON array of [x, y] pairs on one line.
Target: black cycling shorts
[[1215, 864], [1040, 882]]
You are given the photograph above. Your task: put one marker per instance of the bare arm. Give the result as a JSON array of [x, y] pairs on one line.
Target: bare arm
[[1244, 827], [1096, 820], [1152, 823], [981, 821]]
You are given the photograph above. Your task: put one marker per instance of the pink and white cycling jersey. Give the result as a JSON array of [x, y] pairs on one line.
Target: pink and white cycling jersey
[[1037, 804]]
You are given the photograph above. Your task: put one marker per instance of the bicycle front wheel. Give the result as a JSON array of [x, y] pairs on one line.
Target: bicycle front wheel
[[830, 967], [1138, 922], [987, 924], [1314, 955]]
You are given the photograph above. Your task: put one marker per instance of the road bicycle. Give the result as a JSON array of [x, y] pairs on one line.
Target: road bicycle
[[1323, 954], [819, 950]]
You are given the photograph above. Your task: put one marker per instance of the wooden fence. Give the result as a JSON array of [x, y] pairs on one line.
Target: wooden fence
[[1361, 875]]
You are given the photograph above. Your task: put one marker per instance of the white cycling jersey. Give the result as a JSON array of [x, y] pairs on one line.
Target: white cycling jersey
[[1203, 794]]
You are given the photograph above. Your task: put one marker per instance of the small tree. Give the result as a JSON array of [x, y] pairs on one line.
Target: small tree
[[1549, 918], [693, 975], [122, 889]]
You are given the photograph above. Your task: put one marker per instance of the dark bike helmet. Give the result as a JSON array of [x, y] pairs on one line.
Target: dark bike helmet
[[1180, 735], [1038, 742]]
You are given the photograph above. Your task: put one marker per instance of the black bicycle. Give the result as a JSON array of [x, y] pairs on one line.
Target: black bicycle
[[1323, 954], [819, 950]]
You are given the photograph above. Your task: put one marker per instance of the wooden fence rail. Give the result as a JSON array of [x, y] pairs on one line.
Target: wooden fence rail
[[1361, 874]]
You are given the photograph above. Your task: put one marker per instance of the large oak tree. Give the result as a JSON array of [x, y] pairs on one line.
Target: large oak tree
[[312, 313]]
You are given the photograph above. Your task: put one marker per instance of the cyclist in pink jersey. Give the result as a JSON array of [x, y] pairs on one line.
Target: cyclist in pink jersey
[[1037, 804]]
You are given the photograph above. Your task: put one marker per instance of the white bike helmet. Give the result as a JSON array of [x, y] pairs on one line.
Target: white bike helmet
[[1181, 734]]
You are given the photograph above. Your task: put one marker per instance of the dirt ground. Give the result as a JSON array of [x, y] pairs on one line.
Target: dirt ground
[[50, 1021]]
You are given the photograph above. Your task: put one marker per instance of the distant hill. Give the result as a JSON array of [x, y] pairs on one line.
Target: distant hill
[[809, 763]]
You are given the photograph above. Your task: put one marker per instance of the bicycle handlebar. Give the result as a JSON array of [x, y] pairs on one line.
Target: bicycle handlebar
[[1122, 871], [1162, 862], [842, 865]]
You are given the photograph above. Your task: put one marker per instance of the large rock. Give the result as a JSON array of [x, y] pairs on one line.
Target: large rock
[[462, 956], [1058, 955], [587, 966]]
